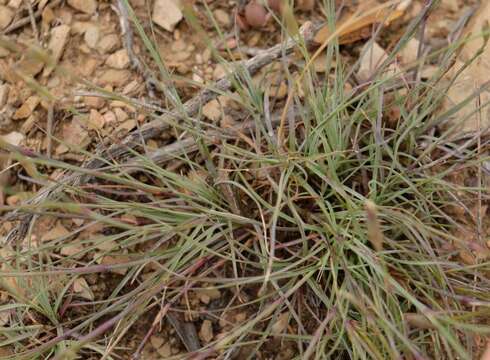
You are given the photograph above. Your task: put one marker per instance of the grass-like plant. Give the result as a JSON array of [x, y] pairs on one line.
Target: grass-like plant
[[325, 218]]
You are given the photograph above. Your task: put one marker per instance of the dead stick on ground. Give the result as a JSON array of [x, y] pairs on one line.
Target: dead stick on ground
[[189, 145], [32, 19], [127, 33], [154, 128], [26, 20]]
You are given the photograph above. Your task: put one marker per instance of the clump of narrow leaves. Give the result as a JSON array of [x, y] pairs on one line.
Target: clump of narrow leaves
[[325, 217]]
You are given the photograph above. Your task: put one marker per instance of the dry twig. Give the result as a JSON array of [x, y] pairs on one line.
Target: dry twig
[[127, 33], [32, 19], [26, 20]]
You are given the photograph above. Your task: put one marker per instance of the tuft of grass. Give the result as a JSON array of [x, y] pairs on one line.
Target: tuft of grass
[[341, 234]]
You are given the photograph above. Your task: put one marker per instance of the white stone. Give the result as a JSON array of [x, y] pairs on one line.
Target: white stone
[[108, 43], [118, 60], [167, 14], [91, 36]]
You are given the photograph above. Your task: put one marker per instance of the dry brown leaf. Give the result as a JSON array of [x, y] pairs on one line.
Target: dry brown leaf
[[361, 28], [472, 78], [81, 288]]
